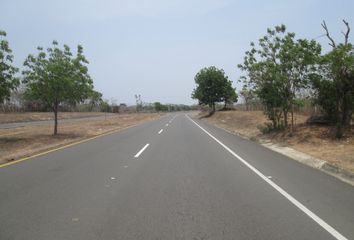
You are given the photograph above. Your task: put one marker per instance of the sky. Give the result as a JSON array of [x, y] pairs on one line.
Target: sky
[[155, 48]]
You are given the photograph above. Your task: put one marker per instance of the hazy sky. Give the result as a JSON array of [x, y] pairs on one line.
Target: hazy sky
[[156, 47]]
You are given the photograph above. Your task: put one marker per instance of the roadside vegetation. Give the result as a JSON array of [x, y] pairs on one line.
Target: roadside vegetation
[[56, 79], [282, 73], [294, 94], [213, 86]]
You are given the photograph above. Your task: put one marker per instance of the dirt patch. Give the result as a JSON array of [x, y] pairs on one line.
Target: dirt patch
[[40, 116], [316, 141], [26, 141]]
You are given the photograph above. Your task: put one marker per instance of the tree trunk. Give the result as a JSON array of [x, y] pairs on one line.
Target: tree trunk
[[347, 110], [285, 114], [55, 109], [225, 104], [274, 119], [292, 119]]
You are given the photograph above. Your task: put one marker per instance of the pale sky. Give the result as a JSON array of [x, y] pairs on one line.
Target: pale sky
[[155, 48]]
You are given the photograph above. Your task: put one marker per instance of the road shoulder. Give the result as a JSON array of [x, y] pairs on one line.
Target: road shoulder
[[322, 165]]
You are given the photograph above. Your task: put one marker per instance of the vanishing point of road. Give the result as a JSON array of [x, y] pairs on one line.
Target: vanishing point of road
[[171, 178]]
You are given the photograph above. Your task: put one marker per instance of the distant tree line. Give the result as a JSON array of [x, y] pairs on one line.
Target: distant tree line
[[281, 69], [159, 107]]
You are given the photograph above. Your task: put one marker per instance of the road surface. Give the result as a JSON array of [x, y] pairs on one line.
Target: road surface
[[171, 178]]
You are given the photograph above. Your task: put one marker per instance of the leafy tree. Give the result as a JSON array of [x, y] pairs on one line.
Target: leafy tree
[[211, 85], [230, 95], [334, 84], [55, 76], [104, 106], [278, 69], [95, 99], [160, 107], [8, 81]]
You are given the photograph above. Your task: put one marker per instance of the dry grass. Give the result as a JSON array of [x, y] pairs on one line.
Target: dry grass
[[39, 116], [26, 141], [316, 141]]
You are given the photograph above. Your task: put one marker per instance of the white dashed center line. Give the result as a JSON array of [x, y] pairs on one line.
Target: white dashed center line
[[160, 131], [141, 151]]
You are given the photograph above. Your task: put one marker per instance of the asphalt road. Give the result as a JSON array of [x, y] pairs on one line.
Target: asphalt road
[[187, 181]]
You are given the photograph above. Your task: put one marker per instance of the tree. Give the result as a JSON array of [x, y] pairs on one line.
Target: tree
[[212, 85], [104, 106], [139, 102], [95, 98], [8, 81], [334, 84], [278, 70], [55, 76], [248, 96], [230, 95], [160, 107]]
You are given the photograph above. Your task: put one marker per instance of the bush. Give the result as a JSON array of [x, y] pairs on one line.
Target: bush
[[269, 127]]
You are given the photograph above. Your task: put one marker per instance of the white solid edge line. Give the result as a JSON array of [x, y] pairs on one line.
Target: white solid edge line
[[141, 151], [160, 131], [307, 211]]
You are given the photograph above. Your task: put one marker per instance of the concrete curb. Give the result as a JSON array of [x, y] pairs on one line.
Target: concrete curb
[[329, 168], [342, 174]]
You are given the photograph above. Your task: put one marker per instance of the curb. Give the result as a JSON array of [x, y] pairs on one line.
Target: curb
[[329, 168]]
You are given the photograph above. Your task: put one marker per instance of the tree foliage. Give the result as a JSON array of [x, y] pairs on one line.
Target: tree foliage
[[248, 96], [8, 81], [56, 76], [277, 69], [334, 82], [159, 107], [95, 99], [230, 95], [213, 86]]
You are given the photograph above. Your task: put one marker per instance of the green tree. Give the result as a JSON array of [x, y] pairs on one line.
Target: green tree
[[56, 76], [160, 107], [278, 70], [8, 81], [211, 84], [104, 106], [334, 83], [230, 95], [95, 99]]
